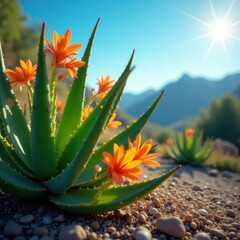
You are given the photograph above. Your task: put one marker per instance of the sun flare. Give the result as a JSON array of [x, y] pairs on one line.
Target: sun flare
[[219, 29]]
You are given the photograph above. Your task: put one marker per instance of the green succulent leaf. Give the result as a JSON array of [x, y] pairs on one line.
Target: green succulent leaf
[[81, 201], [13, 119], [18, 185], [8, 155], [81, 133], [43, 150], [72, 118], [122, 138], [88, 136]]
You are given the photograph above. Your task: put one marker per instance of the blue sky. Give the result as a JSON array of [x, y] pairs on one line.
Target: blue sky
[[158, 30]]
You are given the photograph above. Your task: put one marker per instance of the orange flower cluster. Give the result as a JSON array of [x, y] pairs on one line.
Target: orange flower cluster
[[189, 132], [105, 84], [112, 123], [126, 163], [22, 75], [63, 54]]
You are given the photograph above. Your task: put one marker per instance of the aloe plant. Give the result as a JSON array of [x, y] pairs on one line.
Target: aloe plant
[[188, 148], [62, 160]]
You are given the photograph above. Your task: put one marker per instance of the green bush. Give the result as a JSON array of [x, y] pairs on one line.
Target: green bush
[[222, 120]]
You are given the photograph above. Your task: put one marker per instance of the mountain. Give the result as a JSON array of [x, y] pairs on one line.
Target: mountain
[[182, 99]]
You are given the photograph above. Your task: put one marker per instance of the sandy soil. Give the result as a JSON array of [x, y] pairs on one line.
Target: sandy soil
[[204, 202]]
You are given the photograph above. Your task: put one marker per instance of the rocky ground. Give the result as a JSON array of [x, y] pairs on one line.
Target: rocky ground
[[196, 203]]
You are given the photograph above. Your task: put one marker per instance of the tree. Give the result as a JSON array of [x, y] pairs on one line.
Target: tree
[[222, 120], [18, 40]]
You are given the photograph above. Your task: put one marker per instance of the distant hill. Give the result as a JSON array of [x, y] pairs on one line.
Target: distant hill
[[182, 100]]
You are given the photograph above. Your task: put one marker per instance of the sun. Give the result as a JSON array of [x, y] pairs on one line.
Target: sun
[[219, 29]]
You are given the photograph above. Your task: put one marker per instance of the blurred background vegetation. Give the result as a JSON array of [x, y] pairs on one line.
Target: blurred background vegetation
[[19, 41], [220, 120]]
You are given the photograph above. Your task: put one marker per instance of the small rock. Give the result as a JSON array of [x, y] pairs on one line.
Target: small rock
[[142, 218], [172, 226], [12, 229], [226, 174], [142, 233], [203, 212], [236, 225], [213, 172], [47, 220], [95, 225], [230, 213], [59, 218], [196, 188], [152, 211], [232, 234], [188, 218], [193, 225], [72, 232], [157, 202], [27, 219], [202, 236], [217, 232], [40, 231], [119, 213]]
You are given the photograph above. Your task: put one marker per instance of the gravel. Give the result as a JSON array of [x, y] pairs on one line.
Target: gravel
[[194, 202]]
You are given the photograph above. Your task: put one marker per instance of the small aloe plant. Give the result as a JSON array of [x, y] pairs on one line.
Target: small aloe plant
[[62, 159], [189, 148]]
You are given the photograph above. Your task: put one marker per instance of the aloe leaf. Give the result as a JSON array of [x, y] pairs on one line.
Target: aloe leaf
[[81, 201], [16, 184], [80, 135], [91, 130], [122, 138], [72, 118], [14, 121], [8, 155], [43, 152]]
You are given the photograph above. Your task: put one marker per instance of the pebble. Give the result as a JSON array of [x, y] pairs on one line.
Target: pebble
[[236, 225], [172, 226], [40, 231], [142, 233], [47, 220], [226, 174], [196, 188], [59, 218], [157, 202], [188, 218], [119, 213], [12, 229], [152, 211], [142, 218], [217, 232], [95, 225], [193, 225], [27, 219], [213, 172], [203, 212], [202, 236], [72, 232], [232, 234], [230, 213]]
